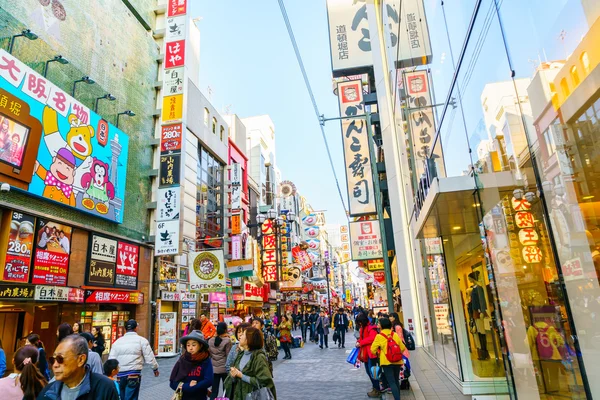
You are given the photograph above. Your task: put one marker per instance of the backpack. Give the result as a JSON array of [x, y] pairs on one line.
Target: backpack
[[271, 348], [393, 353], [544, 344], [409, 341]]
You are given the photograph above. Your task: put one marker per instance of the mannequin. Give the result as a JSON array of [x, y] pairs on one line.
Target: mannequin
[[478, 311]]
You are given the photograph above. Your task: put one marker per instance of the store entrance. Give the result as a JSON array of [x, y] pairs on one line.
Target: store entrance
[[10, 325]]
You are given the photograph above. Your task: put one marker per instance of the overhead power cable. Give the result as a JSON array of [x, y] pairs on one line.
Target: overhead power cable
[[312, 97]]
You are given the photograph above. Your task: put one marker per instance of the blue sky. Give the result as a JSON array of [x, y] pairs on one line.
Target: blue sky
[[247, 59]]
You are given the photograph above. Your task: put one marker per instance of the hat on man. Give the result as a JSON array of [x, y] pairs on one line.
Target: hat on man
[[130, 325], [194, 335]]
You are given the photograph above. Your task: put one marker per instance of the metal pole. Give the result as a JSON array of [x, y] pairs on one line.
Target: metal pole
[[328, 289], [379, 206], [279, 269]]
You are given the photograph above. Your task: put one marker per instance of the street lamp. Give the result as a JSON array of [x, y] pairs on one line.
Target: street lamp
[[129, 113], [85, 79], [107, 96], [24, 33], [59, 59], [261, 218]]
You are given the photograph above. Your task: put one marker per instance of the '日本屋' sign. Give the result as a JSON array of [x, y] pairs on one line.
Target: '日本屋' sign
[[359, 175]]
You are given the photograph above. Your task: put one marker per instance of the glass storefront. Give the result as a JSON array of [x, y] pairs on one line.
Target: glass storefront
[[209, 206]]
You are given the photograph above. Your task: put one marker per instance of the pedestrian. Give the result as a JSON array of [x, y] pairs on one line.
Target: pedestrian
[[2, 360], [367, 334], [399, 329], [193, 372], [74, 380], [207, 327], [285, 336], [250, 369], [99, 342], [270, 342], [313, 321], [304, 324], [294, 320], [76, 328], [132, 350], [340, 323], [219, 348], [33, 339], [63, 331], [26, 382], [111, 370], [236, 346], [390, 355], [322, 328], [93, 359]]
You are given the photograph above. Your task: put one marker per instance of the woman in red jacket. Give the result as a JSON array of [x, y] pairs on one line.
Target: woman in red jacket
[[368, 332]]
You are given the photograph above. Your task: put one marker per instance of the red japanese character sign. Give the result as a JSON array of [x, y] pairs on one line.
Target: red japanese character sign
[[528, 236], [532, 254], [270, 270], [175, 54], [127, 265], [176, 7], [252, 292], [11, 68], [19, 248], [53, 248], [113, 296], [524, 219], [302, 258], [520, 204]]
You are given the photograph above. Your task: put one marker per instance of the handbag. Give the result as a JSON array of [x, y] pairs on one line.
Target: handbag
[[263, 393], [336, 336], [178, 392], [353, 356]]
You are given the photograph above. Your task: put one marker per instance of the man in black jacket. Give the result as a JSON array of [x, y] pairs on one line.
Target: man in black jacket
[[304, 323], [313, 317], [74, 380], [340, 323]]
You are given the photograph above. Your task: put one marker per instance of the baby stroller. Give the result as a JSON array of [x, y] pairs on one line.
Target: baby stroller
[[405, 374]]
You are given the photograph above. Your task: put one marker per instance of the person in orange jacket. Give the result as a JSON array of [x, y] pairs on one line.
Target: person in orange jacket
[[207, 327]]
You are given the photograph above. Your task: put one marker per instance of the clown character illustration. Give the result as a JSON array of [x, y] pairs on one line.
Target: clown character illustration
[[59, 180], [78, 141], [98, 190]]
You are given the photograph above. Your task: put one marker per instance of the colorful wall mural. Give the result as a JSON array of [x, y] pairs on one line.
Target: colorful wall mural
[[81, 160]]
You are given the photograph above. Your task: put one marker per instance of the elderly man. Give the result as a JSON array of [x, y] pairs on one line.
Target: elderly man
[[74, 379], [132, 350]]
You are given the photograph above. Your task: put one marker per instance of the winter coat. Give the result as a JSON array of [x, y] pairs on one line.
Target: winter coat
[[365, 340], [43, 363], [285, 334], [131, 350], [258, 371], [93, 387], [202, 373], [208, 329], [323, 325], [100, 344], [219, 354], [380, 346]]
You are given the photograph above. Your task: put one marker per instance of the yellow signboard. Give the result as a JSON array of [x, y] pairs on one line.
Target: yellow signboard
[[375, 265], [172, 109]]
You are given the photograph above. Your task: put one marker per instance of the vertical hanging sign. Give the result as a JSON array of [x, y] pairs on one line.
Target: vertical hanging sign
[[359, 177], [168, 217]]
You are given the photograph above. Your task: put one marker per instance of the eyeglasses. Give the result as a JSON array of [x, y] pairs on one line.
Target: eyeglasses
[[58, 358]]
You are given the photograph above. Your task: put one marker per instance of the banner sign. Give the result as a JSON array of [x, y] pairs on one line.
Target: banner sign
[[236, 186], [236, 247], [168, 204], [236, 224], [170, 138], [433, 245], [359, 175], [207, 271], [112, 263], [301, 257], [292, 278], [413, 47], [167, 333], [178, 296], [52, 251], [113, 297], [375, 265], [252, 292], [366, 240], [16, 292], [127, 265], [270, 270], [167, 238], [19, 247], [176, 7], [59, 293]]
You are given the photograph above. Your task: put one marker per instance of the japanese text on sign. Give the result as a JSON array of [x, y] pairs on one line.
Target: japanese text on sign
[[270, 269]]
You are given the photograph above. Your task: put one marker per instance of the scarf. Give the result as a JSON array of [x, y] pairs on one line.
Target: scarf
[[186, 363], [63, 187]]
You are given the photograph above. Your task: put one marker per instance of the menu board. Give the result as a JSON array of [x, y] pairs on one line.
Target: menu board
[[167, 328], [19, 248], [112, 263], [52, 252]]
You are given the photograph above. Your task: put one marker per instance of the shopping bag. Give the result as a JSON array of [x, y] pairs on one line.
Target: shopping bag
[[353, 356], [260, 394], [178, 392]]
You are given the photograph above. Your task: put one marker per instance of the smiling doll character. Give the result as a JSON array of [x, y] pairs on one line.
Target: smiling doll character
[[59, 180]]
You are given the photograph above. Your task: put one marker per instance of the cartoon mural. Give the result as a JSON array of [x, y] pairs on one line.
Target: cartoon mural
[[74, 166]]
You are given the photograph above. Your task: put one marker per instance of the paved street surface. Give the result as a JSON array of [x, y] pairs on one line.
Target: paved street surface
[[313, 373]]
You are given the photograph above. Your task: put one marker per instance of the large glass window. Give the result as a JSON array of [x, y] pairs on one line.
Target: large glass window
[[209, 200]]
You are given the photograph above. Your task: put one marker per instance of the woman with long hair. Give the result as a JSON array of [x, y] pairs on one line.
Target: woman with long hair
[[236, 347], [193, 372], [33, 339], [399, 329], [26, 382], [63, 331], [219, 347], [367, 334], [76, 328], [285, 336], [250, 369], [99, 342]]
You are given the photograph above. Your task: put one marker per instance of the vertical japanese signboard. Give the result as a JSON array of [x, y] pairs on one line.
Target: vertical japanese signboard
[[365, 240], [52, 251], [359, 176], [112, 263], [270, 271], [422, 121], [17, 262], [168, 216]]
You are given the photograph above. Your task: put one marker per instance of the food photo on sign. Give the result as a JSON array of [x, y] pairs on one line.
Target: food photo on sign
[[52, 252], [16, 257]]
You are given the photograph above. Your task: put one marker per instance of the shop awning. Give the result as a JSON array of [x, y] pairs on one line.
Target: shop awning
[[450, 207]]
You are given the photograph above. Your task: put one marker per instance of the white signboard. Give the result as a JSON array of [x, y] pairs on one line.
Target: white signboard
[[365, 240], [175, 28], [167, 238], [173, 81], [178, 296], [167, 333], [168, 204], [104, 249], [433, 245], [415, 46], [207, 271], [252, 292], [236, 174], [236, 247], [422, 122], [359, 176], [236, 186]]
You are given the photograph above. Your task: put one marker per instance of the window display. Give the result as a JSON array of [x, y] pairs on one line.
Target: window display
[[13, 139]]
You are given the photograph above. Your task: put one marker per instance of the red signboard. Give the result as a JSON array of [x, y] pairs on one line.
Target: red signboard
[[252, 292], [18, 252], [270, 271], [379, 276], [53, 247], [176, 7], [170, 138], [113, 297], [127, 265], [175, 54], [301, 257]]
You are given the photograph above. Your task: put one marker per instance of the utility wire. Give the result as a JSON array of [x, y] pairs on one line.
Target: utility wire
[[312, 97]]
